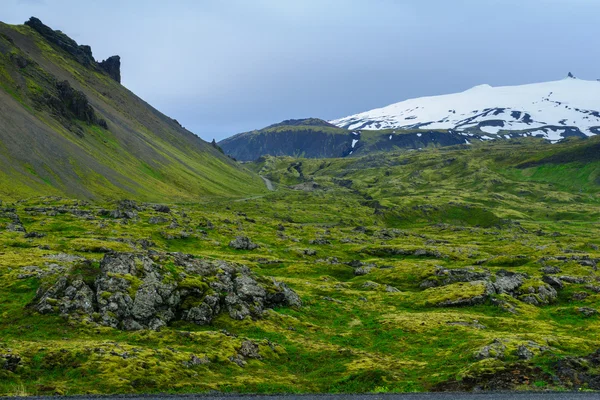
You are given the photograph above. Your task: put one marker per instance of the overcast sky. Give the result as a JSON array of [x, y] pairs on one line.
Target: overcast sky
[[225, 66]]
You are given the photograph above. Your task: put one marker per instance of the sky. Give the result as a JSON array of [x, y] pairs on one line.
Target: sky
[[221, 67]]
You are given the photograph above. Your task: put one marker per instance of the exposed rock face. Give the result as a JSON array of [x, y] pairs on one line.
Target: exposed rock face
[[112, 66], [133, 292], [75, 102], [67, 104], [82, 53]]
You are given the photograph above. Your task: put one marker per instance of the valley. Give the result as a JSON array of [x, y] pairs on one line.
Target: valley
[[461, 268], [441, 244]]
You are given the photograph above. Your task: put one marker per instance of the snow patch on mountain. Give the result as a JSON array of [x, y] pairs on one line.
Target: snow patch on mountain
[[550, 109]]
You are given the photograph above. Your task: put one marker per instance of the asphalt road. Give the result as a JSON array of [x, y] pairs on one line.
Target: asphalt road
[[408, 396]]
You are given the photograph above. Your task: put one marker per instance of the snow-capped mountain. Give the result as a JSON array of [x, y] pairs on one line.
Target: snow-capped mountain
[[552, 110]]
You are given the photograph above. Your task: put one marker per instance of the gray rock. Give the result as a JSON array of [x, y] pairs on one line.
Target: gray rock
[[363, 270], [587, 311], [249, 349], [320, 241], [551, 270], [242, 243], [9, 362], [580, 296], [524, 353], [446, 276], [370, 285], [134, 292], [553, 281], [508, 282], [157, 220], [496, 350], [195, 360], [574, 279]]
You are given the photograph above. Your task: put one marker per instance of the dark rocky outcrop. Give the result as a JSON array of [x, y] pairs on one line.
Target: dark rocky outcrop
[[112, 66], [133, 291], [68, 104], [9, 362], [82, 53]]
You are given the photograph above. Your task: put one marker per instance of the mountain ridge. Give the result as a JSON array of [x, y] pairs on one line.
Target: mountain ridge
[[553, 110], [70, 128]]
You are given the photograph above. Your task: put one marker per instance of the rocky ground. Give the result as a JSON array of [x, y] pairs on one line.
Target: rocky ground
[[374, 280]]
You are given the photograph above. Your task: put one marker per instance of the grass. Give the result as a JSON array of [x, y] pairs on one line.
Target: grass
[[348, 336]]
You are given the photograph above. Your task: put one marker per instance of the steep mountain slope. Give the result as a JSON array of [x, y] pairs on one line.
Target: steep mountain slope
[[68, 127], [552, 110], [312, 137]]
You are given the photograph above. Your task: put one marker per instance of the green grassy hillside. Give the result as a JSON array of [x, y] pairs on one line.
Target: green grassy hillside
[[68, 128], [460, 268]]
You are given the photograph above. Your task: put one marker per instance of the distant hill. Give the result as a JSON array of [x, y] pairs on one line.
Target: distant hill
[[311, 137], [550, 110], [69, 128]]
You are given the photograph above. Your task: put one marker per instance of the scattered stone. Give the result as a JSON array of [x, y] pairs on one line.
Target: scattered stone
[[195, 360], [587, 311], [553, 281], [158, 220], [162, 208], [508, 282], [495, 350], [327, 298], [574, 279], [364, 270], [34, 235], [249, 349], [370, 285], [238, 359], [580, 296], [524, 353], [446, 276], [243, 243], [309, 252], [320, 241], [9, 362]]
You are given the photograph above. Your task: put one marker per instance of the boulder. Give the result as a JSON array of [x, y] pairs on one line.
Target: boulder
[[243, 243], [495, 350], [446, 276], [135, 291]]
